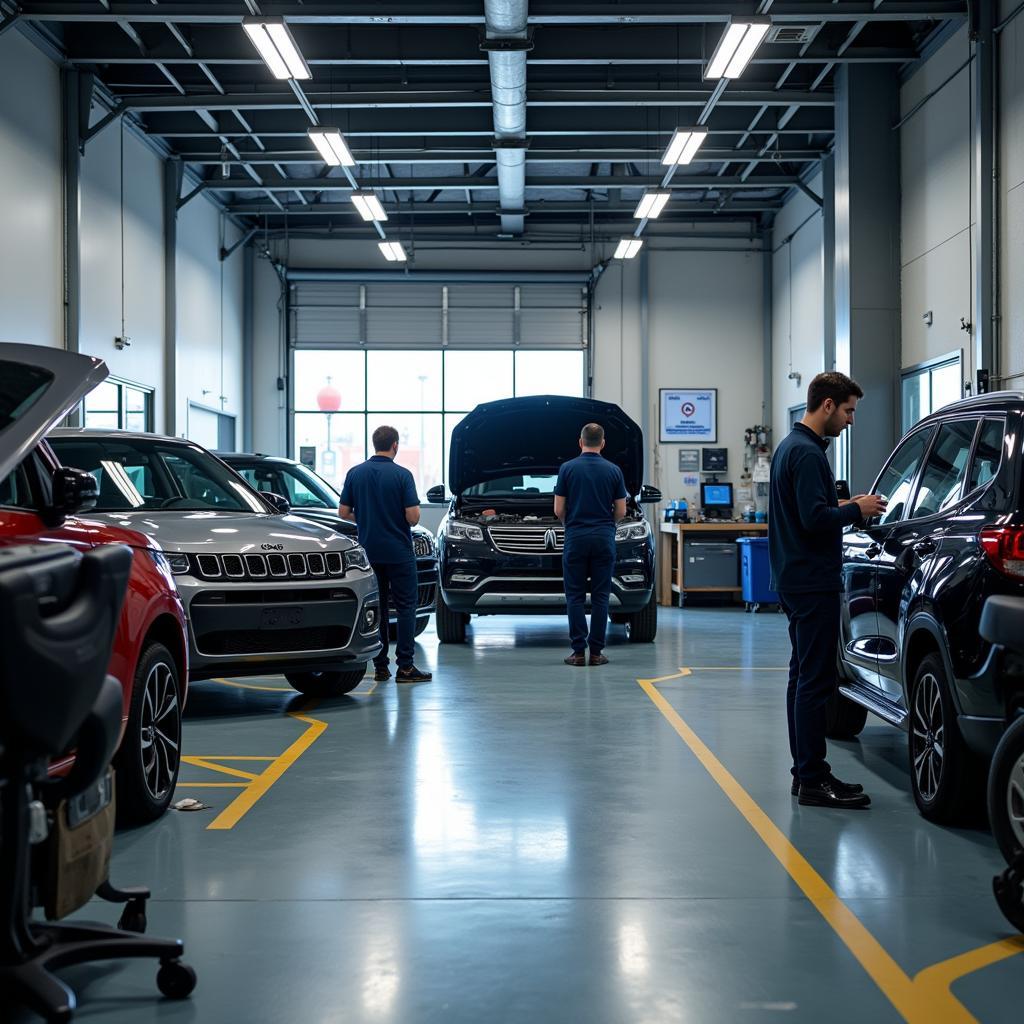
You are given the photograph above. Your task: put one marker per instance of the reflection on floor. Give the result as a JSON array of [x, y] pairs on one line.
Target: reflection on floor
[[519, 840]]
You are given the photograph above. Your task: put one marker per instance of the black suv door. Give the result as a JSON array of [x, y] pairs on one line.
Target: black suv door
[[929, 532], [862, 547]]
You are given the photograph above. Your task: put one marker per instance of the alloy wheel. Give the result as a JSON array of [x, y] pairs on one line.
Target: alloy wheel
[[161, 728], [1015, 800], [927, 736]]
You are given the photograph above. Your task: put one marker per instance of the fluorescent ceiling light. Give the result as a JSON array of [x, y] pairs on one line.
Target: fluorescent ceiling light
[[393, 251], [332, 147], [684, 145], [276, 46], [736, 47], [627, 248], [368, 205], [651, 205]]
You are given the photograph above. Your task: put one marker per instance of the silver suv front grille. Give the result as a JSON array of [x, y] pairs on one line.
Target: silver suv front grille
[[422, 545], [528, 540], [239, 568]]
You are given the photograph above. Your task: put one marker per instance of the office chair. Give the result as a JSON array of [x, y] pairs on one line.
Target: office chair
[[61, 611]]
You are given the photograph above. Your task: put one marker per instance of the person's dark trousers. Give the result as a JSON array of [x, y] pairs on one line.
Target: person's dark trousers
[[814, 635], [588, 554], [397, 584]]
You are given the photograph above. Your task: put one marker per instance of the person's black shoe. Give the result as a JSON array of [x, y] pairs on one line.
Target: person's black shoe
[[381, 675], [576, 660], [598, 659], [412, 675], [842, 787], [825, 794]]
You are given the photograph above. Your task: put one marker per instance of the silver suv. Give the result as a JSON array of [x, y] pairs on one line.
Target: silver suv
[[264, 592]]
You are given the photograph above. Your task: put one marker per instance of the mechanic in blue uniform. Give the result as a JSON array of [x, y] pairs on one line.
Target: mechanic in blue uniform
[[380, 497], [590, 498]]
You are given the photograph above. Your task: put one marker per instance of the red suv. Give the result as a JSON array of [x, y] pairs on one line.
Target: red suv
[[40, 500]]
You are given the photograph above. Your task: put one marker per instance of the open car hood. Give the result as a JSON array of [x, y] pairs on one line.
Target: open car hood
[[536, 435], [39, 386]]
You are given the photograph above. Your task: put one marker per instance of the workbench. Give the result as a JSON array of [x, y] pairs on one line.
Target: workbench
[[671, 564]]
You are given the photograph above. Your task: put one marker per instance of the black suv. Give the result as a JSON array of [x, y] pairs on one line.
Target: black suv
[[915, 582], [500, 545], [311, 497]]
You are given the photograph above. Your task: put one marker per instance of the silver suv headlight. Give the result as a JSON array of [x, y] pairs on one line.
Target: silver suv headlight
[[177, 562], [632, 531], [355, 558], [463, 531]]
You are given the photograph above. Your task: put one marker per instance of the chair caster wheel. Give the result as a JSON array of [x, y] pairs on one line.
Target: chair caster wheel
[[175, 979], [133, 918]]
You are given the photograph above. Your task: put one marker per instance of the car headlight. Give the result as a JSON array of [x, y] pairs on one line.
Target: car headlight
[[175, 561], [463, 531], [632, 531], [355, 558]]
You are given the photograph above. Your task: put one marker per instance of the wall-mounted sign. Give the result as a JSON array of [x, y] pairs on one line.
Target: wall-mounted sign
[[307, 455], [688, 415], [689, 460]]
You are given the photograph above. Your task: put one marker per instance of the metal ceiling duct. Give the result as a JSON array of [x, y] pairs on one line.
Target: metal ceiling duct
[[506, 19]]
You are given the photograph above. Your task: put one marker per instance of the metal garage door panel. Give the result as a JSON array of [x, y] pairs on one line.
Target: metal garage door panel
[[548, 295], [325, 314], [481, 327], [403, 315], [552, 328]]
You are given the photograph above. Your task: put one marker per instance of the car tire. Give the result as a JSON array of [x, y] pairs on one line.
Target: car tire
[[149, 758], [326, 684], [451, 625], [642, 626], [844, 718], [421, 624], [618, 618], [944, 775], [1006, 792]]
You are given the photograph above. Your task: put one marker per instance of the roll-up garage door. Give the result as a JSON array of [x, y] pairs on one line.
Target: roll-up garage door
[[398, 314]]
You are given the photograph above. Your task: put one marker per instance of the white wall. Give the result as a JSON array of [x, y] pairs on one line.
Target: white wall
[[31, 290], [1011, 196]]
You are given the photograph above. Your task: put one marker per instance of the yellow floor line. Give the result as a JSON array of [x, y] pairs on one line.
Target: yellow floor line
[[681, 674], [214, 785], [943, 974], [924, 1000], [202, 762], [253, 686]]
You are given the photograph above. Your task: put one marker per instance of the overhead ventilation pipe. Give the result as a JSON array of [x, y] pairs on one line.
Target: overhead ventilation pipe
[[506, 20]]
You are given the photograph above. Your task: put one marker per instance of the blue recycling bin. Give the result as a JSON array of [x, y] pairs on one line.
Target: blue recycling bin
[[756, 572]]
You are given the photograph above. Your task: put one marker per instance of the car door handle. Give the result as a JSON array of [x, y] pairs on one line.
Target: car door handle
[[925, 547], [873, 550]]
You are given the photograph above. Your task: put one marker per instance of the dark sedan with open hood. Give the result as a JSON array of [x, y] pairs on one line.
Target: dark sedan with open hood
[[500, 545]]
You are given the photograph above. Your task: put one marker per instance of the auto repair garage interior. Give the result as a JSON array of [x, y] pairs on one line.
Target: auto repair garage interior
[[282, 224]]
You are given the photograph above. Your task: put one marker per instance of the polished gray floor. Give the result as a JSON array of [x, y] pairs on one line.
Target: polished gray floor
[[522, 841]]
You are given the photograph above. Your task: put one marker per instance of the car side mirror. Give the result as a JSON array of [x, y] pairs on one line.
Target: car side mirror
[[649, 495], [842, 490], [436, 495], [283, 505], [74, 491]]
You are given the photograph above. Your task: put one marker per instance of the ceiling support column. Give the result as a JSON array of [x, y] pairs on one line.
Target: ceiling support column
[[173, 172]]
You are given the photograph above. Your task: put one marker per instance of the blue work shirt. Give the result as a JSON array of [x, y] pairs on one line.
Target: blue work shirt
[[590, 485], [805, 522], [379, 492]]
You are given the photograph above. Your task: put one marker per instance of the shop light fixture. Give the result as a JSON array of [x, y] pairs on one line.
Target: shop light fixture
[[627, 248], [736, 47], [393, 251], [276, 46], [368, 205], [332, 146], [684, 145], [651, 205]]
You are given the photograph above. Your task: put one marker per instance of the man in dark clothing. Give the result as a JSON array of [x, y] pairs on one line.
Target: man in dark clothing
[[590, 498], [805, 543], [381, 498]]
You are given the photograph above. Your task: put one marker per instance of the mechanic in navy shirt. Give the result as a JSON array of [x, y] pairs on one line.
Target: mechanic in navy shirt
[[590, 498], [380, 497], [805, 546]]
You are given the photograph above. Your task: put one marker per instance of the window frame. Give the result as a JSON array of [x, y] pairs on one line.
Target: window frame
[[980, 488], [123, 387], [928, 367], [978, 419]]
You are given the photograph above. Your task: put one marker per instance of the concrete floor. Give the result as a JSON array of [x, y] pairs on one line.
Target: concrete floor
[[522, 841]]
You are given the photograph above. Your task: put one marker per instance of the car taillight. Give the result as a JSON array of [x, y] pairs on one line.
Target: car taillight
[[1004, 546]]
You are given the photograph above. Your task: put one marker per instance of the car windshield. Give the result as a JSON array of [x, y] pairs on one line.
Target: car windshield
[[302, 487], [518, 486], [135, 474]]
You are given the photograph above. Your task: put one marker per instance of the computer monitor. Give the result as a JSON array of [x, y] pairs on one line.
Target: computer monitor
[[714, 460], [716, 499]]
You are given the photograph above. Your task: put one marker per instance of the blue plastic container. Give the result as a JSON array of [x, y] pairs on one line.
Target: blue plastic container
[[755, 571]]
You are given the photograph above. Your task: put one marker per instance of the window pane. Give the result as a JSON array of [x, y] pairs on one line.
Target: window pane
[[419, 445], [914, 391], [102, 398], [946, 385], [549, 373], [135, 421], [898, 478], [450, 423], [944, 472], [474, 377], [102, 420], [338, 439], [134, 399], [342, 371], [408, 381], [988, 454]]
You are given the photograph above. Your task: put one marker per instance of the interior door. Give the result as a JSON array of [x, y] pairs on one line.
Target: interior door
[[913, 543]]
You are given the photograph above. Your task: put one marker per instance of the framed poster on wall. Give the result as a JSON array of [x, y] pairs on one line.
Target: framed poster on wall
[[688, 415]]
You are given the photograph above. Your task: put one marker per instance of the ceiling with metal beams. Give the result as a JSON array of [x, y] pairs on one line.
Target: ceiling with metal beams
[[413, 88]]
